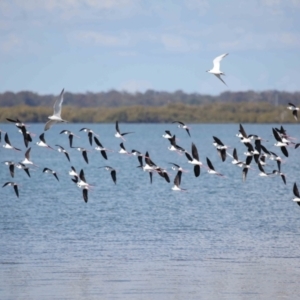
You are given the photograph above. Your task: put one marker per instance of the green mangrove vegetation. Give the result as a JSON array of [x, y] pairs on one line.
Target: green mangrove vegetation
[[153, 107]]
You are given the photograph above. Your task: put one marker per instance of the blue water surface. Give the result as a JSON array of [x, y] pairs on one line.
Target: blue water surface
[[221, 239]]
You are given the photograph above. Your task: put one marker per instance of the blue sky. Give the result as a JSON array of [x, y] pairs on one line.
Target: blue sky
[[135, 45]]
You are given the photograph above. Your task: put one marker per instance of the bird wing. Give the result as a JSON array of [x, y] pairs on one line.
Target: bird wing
[[243, 132], [117, 127], [58, 104], [195, 152], [85, 195], [104, 154], [219, 76], [81, 175], [296, 191], [217, 61], [6, 139], [42, 138], [210, 165], [49, 124], [114, 176], [197, 170], [177, 178], [98, 142], [16, 190], [84, 154], [90, 135], [218, 141]]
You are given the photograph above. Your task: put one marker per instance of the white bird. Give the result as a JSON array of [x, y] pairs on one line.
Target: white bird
[[216, 68], [56, 117]]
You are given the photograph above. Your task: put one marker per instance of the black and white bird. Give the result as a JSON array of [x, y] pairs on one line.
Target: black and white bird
[[90, 134], [296, 193], [84, 153], [176, 167], [221, 148], [47, 170], [11, 166], [23, 167], [167, 135], [211, 169], [118, 133], [113, 173], [73, 172], [139, 156], [194, 160], [14, 185], [243, 135], [27, 160], [294, 110], [63, 150], [8, 145], [42, 142], [82, 184], [174, 146], [71, 135], [177, 182], [183, 126], [100, 148], [281, 142], [246, 166], [123, 150], [216, 68], [56, 117]]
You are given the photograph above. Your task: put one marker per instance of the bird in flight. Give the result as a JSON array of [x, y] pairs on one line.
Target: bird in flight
[[216, 68], [56, 117]]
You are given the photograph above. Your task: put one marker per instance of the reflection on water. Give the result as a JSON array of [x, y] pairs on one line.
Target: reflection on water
[[223, 239]]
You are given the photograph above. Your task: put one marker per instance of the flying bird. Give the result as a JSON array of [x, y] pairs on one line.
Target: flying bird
[[42, 142], [113, 173], [100, 148], [62, 150], [84, 153], [11, 166], [177, 182], [90, 134], [183, 126], [216, 68], [71, 135], [294, 110], [8, 144], [56, 117], [27, 160], [211, 169], [15, 185], [118, 133], [47, 170], [23, 167], [194, 160], [296, 193]]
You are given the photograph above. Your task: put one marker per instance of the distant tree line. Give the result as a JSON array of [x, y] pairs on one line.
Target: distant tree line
[[215, 112], [149, 98]]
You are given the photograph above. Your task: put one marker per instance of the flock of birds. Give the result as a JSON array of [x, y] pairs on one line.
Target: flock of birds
[[255, 150]]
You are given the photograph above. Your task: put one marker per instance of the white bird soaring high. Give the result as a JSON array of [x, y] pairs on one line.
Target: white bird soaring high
[[56, 117], [216, 68]]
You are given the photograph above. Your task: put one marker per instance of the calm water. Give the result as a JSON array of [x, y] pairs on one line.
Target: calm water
[[223, 239]]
